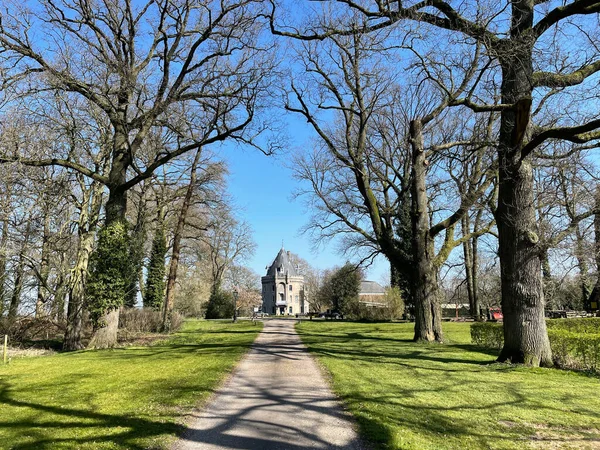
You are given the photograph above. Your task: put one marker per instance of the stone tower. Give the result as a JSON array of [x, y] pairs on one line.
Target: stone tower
[[283, 288]]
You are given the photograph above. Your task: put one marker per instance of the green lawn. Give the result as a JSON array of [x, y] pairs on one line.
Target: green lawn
[[132, 398], [452, 396]]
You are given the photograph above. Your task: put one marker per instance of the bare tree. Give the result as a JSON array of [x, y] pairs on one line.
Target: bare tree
[[524, 37], [227, 242], [204, 65], [358, 178]]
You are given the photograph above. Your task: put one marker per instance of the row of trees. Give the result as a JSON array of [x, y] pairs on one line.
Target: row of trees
[[115, 100], [432, 119], [439, 127]]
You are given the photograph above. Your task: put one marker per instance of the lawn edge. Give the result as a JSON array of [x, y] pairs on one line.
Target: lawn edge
[[366, 443]]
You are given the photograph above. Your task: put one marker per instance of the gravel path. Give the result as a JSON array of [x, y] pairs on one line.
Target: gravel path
[[277, 398]]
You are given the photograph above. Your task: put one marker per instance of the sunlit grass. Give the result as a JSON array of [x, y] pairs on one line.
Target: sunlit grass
[[132, 398], [452, 396]]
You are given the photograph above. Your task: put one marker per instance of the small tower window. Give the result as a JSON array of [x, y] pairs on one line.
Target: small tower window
[[290, 287]]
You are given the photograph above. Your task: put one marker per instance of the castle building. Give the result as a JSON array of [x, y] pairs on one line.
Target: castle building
[[283, 288]]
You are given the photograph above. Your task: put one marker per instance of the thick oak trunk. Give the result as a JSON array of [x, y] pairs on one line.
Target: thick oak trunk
[[426, 293], [593, 302], [116, 206], [106, 336], [525, 336]]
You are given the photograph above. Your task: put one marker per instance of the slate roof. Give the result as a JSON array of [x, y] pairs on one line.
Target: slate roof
[[284, 263], [371, 288]]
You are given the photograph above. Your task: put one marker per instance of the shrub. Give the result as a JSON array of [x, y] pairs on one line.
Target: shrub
[[575, 343], [575, 350], [220, 305], [29, 329], [146, 320], [581, 325], [487, 334]]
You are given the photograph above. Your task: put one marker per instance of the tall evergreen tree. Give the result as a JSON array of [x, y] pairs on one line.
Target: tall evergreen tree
[[155, 282]]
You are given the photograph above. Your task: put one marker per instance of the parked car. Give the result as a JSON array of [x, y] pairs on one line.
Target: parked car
[[331, 315]]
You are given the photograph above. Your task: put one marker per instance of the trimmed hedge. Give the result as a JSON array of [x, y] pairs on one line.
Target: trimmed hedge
[[487, 334], [575, 350], [575, 342], [579, 325]]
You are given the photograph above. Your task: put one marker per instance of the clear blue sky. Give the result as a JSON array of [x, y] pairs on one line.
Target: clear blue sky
[[262, 187]]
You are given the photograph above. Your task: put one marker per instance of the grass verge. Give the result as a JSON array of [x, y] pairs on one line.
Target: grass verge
[[133, 398], [452, 396]]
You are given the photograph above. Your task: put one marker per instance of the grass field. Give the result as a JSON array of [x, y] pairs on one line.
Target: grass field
[[130, 398], [453, 396]]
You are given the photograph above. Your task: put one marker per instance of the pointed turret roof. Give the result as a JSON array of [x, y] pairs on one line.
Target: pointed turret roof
[[282, 262]]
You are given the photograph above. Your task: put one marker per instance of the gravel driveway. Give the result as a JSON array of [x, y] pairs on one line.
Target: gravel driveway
[[277, 398]]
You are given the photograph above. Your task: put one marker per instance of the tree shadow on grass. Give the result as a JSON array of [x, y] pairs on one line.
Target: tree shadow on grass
[[127, 431]]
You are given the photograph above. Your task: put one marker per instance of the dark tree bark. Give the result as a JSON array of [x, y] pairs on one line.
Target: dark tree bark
[[136, 251], [525, 332], [42, 291], [593, 302], [468, 263], [525, 336]]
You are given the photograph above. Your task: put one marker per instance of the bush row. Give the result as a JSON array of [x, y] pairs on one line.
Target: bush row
[[146, 320], [487, 334], [570, 349], [582, 325]]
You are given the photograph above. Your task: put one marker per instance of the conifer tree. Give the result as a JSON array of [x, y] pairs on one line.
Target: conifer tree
[[155, 281]]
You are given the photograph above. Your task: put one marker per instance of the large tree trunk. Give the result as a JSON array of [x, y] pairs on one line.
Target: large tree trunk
[[105, 336], [525, 336], [593, 302], [172, 276], [426, 294], [72, 340], [88, 219]]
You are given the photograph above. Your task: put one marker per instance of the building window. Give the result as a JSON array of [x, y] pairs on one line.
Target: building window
[[290, 287], [273, 310], [273, 287], [296, 299], [290, 309]]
